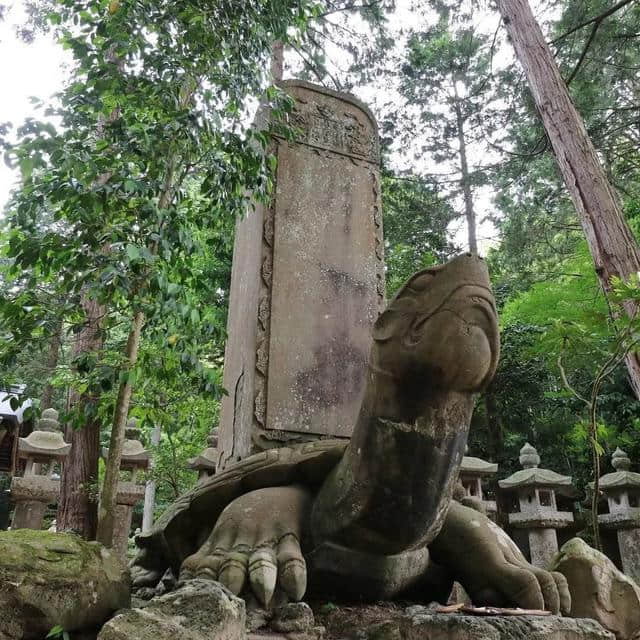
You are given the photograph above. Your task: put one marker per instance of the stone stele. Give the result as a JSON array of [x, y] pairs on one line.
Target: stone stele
[[307, 282]]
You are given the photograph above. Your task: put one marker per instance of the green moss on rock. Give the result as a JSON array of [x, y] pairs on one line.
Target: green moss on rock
[[49, 579]]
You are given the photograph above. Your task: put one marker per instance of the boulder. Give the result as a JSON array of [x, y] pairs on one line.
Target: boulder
[[49, 579], [196, 610], [598, 589]]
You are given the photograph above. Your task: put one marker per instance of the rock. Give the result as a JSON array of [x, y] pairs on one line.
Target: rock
[[462, 627], [196, 610], [598, 589], [49, 579], [167, 583], [145, 593], [257, 616], [387, 630], [294, 616], [296, 621]]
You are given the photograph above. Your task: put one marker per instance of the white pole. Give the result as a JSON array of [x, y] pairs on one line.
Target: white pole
[[150, 489]]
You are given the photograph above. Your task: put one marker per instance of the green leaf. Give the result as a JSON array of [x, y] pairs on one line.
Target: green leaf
[[133, 252]]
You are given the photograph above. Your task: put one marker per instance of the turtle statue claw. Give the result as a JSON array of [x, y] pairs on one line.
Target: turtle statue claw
[[374, 518]]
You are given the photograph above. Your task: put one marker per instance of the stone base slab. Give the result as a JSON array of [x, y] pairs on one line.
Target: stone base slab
[[430, 626], [391, 621]]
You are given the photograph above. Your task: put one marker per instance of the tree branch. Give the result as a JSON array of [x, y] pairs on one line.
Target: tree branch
[[597, 19]]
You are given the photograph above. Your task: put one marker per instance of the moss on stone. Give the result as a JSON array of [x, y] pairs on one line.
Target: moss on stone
[[58, 578]]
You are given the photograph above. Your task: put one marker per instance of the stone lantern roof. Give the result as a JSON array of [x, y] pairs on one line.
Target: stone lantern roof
[[478, 466], [133, 452], [621, 478], [206, 462], [207, 459], [532, 476], [46, 440]]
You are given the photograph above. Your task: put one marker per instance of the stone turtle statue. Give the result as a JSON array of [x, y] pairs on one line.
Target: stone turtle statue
[[373, 518]]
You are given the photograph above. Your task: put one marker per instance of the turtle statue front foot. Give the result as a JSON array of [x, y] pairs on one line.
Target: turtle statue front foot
[[491, 568], [256, 542]]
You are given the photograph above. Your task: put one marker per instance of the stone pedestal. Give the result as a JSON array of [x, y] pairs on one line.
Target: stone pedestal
[[629, 545], [29, 514], [622, 490], [538, 515], [307, 283], [126, 498], [44, 452], [543, 545]]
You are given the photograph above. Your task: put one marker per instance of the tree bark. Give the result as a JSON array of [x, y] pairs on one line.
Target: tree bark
[[277, 60], [612, 245], [106, 518], [495, 426], [51, 362], [77, 508]]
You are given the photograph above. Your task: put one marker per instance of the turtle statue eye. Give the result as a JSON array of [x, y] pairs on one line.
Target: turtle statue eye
[[422, 281]]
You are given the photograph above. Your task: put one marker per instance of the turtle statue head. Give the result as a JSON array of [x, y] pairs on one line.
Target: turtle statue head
[[441, 328]]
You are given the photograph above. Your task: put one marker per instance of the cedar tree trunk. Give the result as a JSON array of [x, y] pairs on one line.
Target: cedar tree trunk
[[77, 507], [613, 248]]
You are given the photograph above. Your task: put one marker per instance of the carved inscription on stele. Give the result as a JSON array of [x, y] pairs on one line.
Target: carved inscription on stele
[[344, 131]]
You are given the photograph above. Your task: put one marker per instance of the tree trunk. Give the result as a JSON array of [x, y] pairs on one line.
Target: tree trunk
[[77, 507], [106, 518], [465, 181], [613, 248], [46, 399], [277, 60], [495, 426], [150, 489]]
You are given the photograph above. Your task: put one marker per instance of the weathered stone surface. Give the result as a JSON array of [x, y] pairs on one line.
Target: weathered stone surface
[[40, 488], [629, 545], [295, 616], [49, 579], [197, 610], [432, 626], [307, 282], [29, 514], [598, 589], [296, 621]]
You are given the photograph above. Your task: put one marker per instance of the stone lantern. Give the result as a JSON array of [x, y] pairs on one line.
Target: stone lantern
[[622, 491], [134, 461], [205, 463], [44, 452], [472, 472], [538, 516]]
